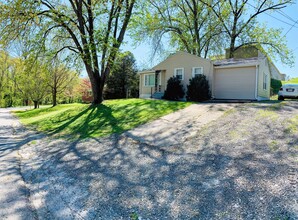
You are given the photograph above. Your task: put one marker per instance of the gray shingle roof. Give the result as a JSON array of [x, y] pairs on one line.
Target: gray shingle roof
[[237, 61]]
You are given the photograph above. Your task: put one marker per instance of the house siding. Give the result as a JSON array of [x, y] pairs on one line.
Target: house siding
[[275, 74], [145, 91], [263, 68], [253, 67], [186, 61]]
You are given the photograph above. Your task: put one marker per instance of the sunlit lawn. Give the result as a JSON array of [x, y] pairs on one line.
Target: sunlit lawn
[[84, 120], [293, 81]]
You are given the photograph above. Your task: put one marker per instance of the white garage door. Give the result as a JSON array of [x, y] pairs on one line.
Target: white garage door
[[235, 83]]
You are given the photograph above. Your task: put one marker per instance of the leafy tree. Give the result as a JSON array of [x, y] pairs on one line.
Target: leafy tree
[[5, 82], [190, 25], [9, 95], [123, 81], [198, 89], [72, 92], [90, 29], [60, 78], [275, 86], [174, 89], [242, 29], [85, 89], [33, 80]]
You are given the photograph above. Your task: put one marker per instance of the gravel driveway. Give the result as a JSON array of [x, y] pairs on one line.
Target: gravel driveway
[[14, 195], [241, 166]]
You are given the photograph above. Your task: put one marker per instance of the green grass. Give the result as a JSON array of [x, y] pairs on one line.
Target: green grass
[[273, 145], [293, 80], [83, 120], [292, 125]]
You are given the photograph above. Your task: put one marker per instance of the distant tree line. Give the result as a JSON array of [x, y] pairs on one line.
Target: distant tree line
[[35, 80], [48, 81]]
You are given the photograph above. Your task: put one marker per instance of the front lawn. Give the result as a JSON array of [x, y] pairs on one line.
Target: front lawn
[[83, 120]]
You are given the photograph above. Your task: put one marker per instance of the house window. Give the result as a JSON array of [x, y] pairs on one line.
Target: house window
[[149, 80], [197, 71], [265, 81], [179, 73]]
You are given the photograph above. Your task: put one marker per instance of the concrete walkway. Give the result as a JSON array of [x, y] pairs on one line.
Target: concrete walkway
[[14, 196], [179, 126]]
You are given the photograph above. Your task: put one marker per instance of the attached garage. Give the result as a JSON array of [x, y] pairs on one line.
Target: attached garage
[[235, 83]]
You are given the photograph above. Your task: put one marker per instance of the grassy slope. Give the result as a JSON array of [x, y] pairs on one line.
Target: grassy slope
[[293, 80], [82, 120]]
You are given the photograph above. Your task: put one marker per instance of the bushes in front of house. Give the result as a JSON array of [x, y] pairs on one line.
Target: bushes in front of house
[[275, 86], [175, 90], [198, 89]]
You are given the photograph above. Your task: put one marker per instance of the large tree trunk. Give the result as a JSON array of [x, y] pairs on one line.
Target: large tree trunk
[[36, 105], [54, 95], [97, 89], [232, 47]]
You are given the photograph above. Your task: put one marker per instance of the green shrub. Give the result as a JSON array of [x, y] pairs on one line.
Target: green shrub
[[174, 89], [275, 86], [198, 89]]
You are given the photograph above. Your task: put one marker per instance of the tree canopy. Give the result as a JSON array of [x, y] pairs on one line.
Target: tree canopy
[[92, 30], [123, 81], [207, 27], [239, 21]]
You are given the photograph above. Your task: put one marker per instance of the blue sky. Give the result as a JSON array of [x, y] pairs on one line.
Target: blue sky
[[285, 19]]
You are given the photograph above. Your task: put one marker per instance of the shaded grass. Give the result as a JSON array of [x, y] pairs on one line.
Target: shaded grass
[[277, 106], [83, 120]]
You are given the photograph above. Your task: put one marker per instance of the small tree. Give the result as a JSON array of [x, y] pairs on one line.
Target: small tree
[[32, 80], [198, 89], [174, 89], [275, 86], [60, 78], [123, 81]]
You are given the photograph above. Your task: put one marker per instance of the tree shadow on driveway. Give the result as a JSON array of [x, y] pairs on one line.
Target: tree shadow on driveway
[[14, 194], [223, 173], [238, 167]]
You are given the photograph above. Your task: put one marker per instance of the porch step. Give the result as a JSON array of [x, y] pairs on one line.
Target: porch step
[[157, 95]]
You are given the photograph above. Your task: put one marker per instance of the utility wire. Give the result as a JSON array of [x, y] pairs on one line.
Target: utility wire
[[290, 28], [285, 15], [280, 20], [292, 25]]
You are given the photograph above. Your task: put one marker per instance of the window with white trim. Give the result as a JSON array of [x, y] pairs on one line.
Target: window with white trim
[[179, 73], [196, 71], [149, 80], [265, 81]]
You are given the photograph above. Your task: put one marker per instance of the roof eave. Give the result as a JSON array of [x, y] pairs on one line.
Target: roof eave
[[236, 65], [146, 71]]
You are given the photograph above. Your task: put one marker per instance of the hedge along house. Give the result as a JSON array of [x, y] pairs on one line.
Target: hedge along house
[[245, 77]]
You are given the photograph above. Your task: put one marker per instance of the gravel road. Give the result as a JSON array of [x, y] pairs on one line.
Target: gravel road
[[14, 195], [241, 166]]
